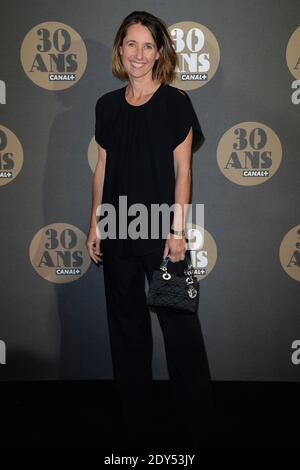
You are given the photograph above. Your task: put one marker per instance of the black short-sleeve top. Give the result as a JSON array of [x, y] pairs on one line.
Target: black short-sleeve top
[[139, 143]]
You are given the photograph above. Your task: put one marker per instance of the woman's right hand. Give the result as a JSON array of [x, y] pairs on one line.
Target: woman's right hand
[[93, 245]]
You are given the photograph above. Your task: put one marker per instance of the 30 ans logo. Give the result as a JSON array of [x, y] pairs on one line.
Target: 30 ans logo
[[58, 253], [53, 55], [293, 62], [289, 253], [203, 249], [198, 54], [249, 153], [11, 155]]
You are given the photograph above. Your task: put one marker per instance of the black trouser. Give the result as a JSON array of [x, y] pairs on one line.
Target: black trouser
[[131, 341]]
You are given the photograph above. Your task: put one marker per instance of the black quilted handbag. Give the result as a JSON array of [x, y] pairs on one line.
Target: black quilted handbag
[[173, 291]]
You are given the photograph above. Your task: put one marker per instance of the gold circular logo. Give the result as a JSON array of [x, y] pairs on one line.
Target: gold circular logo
[[292, 54], [249, 153], [53, 55], [11, 155], [58, 253], [203, 249], [198, 54], [289, 253]]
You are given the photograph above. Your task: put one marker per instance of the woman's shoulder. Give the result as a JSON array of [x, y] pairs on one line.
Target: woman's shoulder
[[177, 98], [176, 92], [110, 97]]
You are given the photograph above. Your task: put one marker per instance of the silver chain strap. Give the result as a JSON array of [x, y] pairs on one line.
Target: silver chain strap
[[188, 273]]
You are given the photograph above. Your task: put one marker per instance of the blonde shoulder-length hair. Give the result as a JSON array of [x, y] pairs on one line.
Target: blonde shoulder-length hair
[[164, 68]]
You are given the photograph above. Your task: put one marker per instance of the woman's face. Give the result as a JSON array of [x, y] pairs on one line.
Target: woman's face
[[138, 51]]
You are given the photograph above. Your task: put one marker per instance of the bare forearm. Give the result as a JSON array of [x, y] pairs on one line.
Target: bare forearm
[[182, 197], [97, 191]]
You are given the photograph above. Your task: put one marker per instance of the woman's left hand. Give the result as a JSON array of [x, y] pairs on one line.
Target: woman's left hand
[[176, 248]]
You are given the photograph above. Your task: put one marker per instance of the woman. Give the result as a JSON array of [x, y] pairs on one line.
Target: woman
[[145, 132]]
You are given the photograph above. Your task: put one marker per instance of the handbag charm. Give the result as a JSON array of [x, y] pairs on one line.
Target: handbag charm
[[192, 292]]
